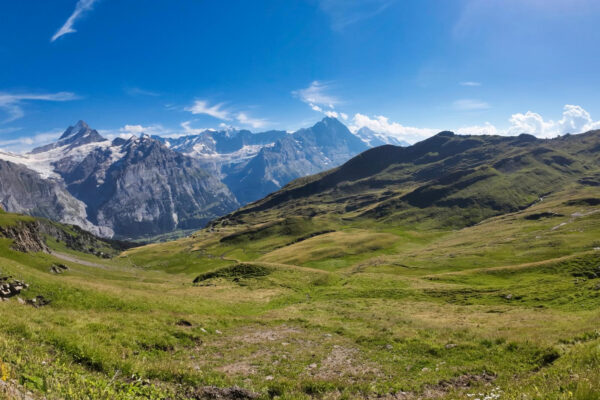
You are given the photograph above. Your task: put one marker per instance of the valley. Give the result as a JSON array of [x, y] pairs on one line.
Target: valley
[[339, 286]]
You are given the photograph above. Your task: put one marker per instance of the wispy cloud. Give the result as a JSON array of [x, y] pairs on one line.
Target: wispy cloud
[[135, 91], [220, 112], [245, 119], [316, 96], [25, 143], [470, 83], [470, 105], [202, 107], [12, 104], [80, 8], [9, 130], [347, 12]]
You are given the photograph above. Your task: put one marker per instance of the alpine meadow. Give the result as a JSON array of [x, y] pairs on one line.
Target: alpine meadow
[[309, 199]]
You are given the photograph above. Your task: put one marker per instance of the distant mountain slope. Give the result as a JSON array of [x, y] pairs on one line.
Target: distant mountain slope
[[153, 185], [221, 151], [131, 188], [327, 144], [446, 180], [22, 190]]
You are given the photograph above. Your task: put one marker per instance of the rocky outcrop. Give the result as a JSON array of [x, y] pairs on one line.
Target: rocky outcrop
[[24, 191], [29, 236], [11, 287], [26, 237]]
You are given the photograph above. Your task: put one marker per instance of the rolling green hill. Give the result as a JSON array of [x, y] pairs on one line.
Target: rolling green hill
[[460, 267]]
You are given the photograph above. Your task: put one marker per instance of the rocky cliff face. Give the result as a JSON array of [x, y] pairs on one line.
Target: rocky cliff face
[[152, 190], [24, 191], [129, 188], [149, 186], [308, 151], [26, 237]]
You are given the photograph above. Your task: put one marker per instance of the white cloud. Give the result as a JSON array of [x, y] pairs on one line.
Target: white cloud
[[485, 129], [188, 130], [80, 8], [381, 124], [11, 104], [202, 107], [319, 100], [470, 83], [217, 111], [130, 130], [23, 144], [245, 119], [470, 105], [574, 120], [532, 123], [316, 96]]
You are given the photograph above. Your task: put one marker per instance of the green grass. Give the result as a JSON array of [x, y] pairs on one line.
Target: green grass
[[365, 311]]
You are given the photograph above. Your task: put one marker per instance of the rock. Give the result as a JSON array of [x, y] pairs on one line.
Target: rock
[[312, 366], [451, 345], [58, 268], [12, 390], [508, 296], [10, 288], [20, 300], [26, 237], [38, 301], [232, 393]]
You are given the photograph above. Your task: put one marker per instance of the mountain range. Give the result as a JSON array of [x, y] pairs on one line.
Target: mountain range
[[446, 181], [146, 186]]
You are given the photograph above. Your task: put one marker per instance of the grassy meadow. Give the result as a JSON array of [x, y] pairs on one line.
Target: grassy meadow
[[324, 307]]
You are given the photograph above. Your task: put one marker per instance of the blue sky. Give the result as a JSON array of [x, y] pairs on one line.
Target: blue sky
[[408, 68]]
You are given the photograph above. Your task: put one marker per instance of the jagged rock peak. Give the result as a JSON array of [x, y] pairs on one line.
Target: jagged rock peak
[[80, 128], [74, 136]]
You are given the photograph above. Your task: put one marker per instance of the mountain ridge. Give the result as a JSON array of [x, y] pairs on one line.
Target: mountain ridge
[[447, 172], [209, 175]]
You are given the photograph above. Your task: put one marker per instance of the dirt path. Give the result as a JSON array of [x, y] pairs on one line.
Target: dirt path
[[68, 257]]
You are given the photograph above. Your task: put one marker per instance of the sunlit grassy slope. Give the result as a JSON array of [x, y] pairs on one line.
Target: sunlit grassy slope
[[314, 298], [351, 312]]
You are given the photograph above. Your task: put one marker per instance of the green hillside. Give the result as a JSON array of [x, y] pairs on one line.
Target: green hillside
[[461, 267]]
